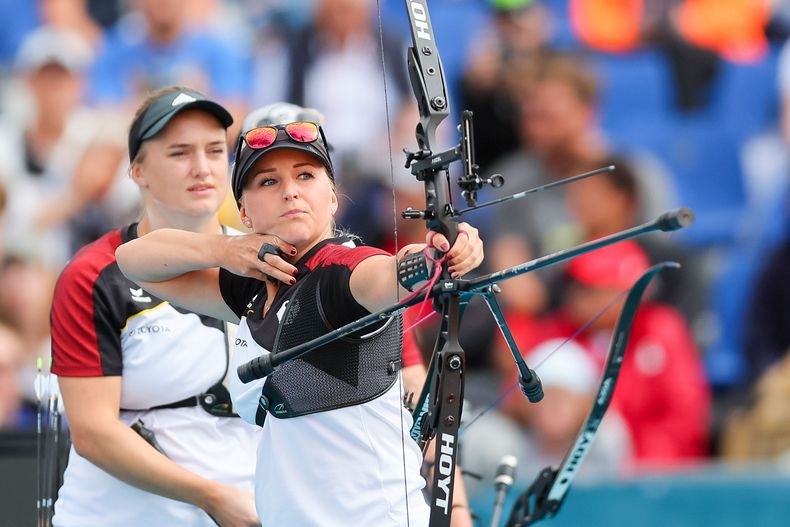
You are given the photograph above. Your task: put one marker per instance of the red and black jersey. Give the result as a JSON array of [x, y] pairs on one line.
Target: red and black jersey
[[238, 291], [103, 324], [348, 371]]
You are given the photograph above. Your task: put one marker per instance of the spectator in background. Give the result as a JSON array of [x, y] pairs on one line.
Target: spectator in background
[[335, 63], [560, 137], [25, 295], [11, 347], [72, 16], [767, 321], [61, 156], [155, 46], [83, 17], [499, 69], [610, 202], [661, 393], [570, 382]]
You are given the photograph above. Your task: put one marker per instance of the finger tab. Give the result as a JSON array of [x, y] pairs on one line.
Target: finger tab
[[267, 248]]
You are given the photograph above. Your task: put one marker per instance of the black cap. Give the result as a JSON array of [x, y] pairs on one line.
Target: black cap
[[247, 157], [154, 119]]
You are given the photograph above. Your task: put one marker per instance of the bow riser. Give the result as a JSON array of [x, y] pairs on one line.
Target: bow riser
[[426, 74]]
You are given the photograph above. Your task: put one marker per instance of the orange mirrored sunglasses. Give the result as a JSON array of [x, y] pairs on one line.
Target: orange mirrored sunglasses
[[265, 136]]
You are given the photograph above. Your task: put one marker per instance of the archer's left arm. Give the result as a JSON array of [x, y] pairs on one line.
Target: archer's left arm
[[374, 281]]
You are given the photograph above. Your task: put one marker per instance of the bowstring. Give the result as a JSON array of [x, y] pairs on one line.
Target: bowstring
[[507, 391], [395, 234]]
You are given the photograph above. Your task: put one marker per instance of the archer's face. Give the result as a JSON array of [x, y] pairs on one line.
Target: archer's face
[[184, 169], [288, 193]]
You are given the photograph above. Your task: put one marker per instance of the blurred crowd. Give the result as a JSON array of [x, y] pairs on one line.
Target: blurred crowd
[[688, 99]]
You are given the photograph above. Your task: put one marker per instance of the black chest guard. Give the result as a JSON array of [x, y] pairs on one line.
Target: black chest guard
[[343, 373]]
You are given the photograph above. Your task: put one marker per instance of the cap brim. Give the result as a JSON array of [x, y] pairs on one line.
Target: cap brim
[[211, 107]]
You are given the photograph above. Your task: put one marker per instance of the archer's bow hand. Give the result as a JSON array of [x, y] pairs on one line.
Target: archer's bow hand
[[466, 253]]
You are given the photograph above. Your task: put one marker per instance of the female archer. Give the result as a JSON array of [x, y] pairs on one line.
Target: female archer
[[120, 351], [335, 448]]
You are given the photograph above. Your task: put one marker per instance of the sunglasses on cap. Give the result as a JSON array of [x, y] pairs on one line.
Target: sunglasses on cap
[[300, 135], [265, 136]]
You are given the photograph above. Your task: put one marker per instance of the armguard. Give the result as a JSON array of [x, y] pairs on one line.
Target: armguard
[[413, 269]]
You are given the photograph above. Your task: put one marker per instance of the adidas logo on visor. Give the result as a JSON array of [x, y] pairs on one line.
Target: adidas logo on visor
[[182, 98]]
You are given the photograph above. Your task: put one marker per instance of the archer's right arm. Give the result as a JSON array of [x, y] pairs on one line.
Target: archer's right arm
[[183, 267]]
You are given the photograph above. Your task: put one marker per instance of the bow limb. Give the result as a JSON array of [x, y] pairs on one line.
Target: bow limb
[[545, 496]]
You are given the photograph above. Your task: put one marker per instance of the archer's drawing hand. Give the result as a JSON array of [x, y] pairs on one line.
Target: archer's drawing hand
[[466, 253], [241, 256], [232, 507]]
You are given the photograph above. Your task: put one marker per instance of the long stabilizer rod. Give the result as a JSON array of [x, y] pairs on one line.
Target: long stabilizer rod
[[669, 221]]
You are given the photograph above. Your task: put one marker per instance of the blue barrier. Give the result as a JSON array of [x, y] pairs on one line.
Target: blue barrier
[[721, 497]]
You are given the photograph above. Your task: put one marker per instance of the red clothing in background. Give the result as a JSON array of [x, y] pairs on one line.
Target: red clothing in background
[[661, 393]]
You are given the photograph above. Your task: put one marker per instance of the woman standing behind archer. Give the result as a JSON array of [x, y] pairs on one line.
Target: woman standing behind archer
[[335, 449], [126, 357]]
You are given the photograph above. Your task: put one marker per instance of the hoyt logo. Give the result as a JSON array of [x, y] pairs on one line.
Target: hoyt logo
[[446, 467], [420, 20], [580, 451]]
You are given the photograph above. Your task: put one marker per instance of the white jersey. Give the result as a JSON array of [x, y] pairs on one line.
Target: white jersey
[[354, 465], [105, 325]]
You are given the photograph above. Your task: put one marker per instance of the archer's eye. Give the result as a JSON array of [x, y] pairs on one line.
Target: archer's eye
[[306, 175]]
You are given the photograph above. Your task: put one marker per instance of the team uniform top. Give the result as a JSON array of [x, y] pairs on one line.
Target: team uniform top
[[105, 325], [359, 448]]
